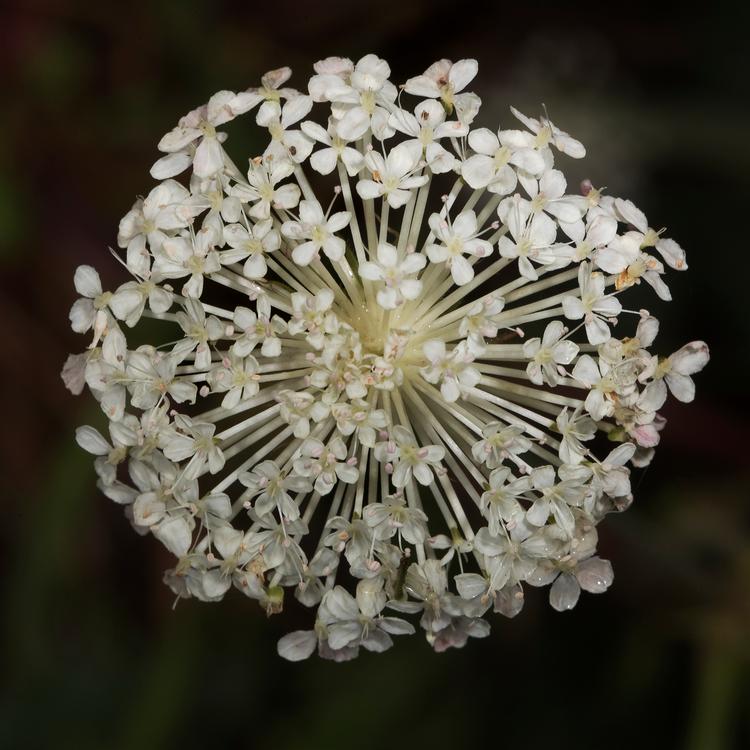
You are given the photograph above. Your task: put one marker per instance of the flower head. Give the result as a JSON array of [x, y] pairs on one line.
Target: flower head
[[417, 364]]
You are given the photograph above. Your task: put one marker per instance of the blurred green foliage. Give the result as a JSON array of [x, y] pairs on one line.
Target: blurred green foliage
[[94, 654]]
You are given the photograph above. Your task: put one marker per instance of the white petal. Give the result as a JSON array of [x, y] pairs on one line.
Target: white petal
[[92, 441], [86, 281]]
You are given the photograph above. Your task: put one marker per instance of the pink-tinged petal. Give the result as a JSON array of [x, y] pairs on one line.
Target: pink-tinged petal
[[422, 86]]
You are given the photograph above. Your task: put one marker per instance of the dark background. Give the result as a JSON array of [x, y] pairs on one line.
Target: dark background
[[95, 657]]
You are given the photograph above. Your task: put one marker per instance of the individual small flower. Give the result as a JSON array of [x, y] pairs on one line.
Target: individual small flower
[[500, 443], [674, 372], [315, 232], [603, 389], [325, 463], [270, 90], [285, 141], [90, 310], [445, 80], [407, 459], [128, 302], [480, 323], [548, 195], [593, 306], [549, 354], [200, 330], [393, 516], [501, 502], [491, 166], [299, 408], [546, 133], [670, 251], [257, 328], [452, 369], [352, 622], [262, 189], [250, 245], [533, 236], [359, 416], [195, 442], [270, 488], [397, 275], [150, 222], [593, 575], [458, 238], [510, 558], [199, 127], [152, 375], [575, 428], [324, 160], [393, 177], [194, 257], [237, 377], [311, 314], [427, 126], [555, 498]]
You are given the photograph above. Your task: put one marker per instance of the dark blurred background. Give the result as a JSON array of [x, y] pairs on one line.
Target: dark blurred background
[[95, 657]]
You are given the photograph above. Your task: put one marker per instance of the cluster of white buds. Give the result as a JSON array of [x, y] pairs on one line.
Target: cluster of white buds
[[384, 396]]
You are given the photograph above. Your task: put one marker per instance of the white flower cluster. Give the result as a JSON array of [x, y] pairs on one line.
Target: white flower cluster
[[384, 386]]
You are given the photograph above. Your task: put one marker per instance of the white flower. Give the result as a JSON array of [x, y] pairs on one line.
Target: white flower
[[150, 221], [396, 275], [598, 378], [359, 416], [263, 189], [427, 126], [315, 410], [407, 459], [548, 354], [593, 305], [272, 487], [499, 443], [199, 127], [496, 155], [554, 498], [257, 329], [394, 516], [325, 464], [393, 177], [270, 89], [575, 428], [445, 80], [90, 311], [479, 324], [286, 142], [324, 160], [501, 502], [458, 238], [298, 408], [451, 369], [546, 133], [250, 246], [534, 234], [318, 232], [194, 441], [195, 257], [237, 377]]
